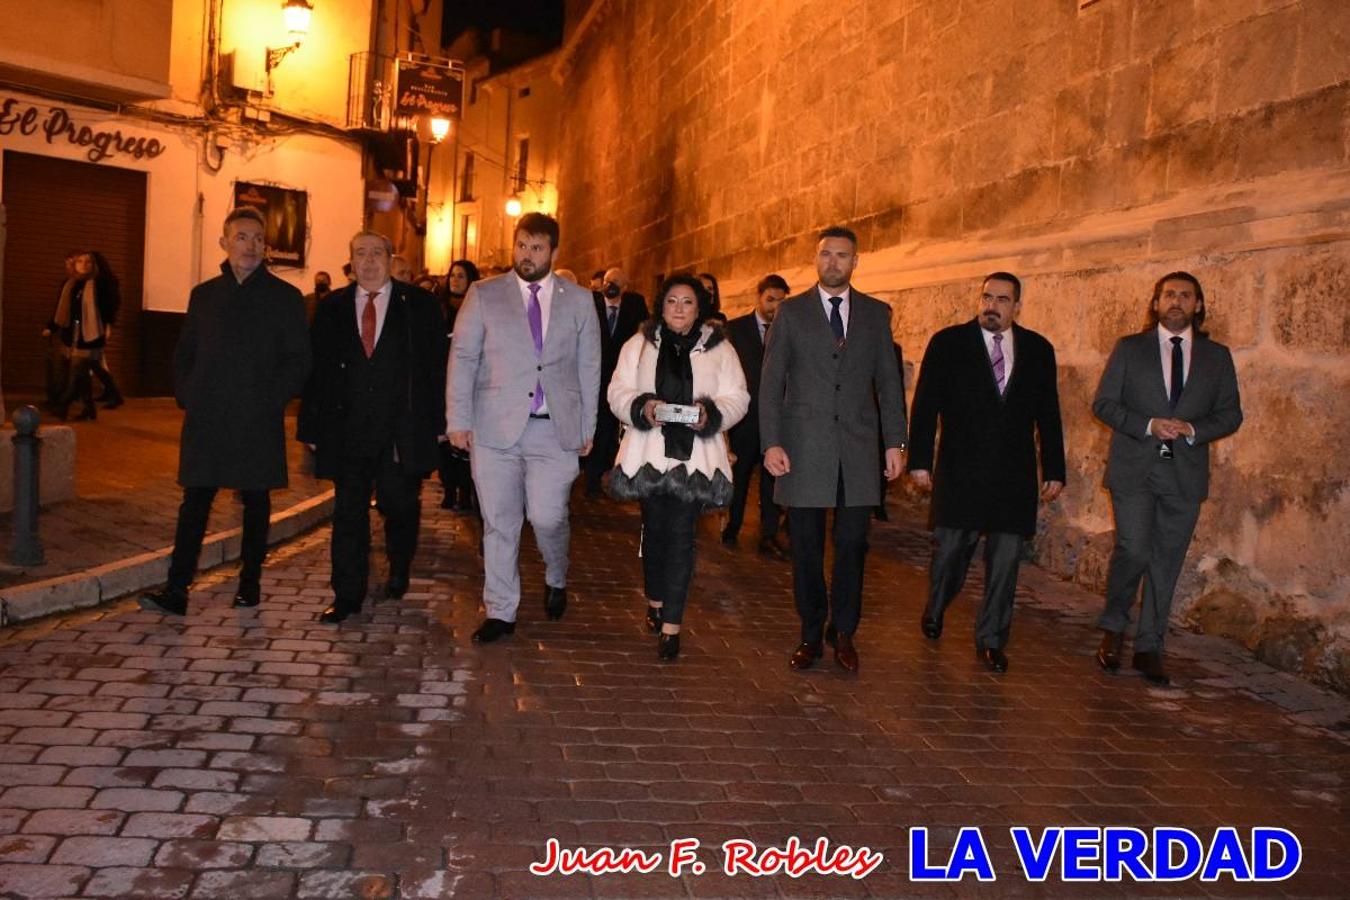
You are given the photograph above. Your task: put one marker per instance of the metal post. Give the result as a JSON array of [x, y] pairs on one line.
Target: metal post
[[27, 547]]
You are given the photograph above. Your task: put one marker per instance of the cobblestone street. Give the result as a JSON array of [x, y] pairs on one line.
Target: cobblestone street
[[258, 754]]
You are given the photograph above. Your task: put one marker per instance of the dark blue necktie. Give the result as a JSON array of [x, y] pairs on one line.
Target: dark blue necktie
[[836, 320], [613, 314], [1178, 375]]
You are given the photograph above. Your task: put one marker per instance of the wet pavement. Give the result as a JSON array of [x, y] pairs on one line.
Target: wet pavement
[[259, 754]]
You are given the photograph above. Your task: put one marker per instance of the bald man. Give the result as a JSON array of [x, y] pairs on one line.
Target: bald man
[[621, 311]]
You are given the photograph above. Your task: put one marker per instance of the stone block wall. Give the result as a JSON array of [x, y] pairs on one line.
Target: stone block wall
[[1089, 151]]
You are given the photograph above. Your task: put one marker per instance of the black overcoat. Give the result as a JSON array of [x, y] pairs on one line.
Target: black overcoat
[[744, 334], [418, 328], [242, 355], [986, 474]]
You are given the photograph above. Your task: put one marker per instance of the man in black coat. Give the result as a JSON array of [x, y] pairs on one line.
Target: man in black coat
[[241, 357], [992, 383], [748, 334], [620, 311], [373, 412]]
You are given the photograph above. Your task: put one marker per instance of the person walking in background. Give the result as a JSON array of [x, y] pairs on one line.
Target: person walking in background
[[457, 491], [84, 316], [242, 355], [715, 291], [620, 313], [57, 356], [675, 469]]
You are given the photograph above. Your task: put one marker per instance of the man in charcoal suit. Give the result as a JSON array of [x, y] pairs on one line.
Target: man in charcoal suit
[[619, 312]]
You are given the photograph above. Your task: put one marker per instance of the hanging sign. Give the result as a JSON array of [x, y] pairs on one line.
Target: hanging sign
[[58, 124]]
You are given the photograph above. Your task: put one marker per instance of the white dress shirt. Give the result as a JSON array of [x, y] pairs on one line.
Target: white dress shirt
[[545, 305], [381, 307], [764, 326], [843, 307], [1008, 351]]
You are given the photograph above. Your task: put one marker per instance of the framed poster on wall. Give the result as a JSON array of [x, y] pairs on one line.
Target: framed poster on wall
[[286, 212]]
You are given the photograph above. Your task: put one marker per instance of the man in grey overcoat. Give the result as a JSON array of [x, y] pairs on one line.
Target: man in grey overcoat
[[242, 356], [830, 397], [521, 397]]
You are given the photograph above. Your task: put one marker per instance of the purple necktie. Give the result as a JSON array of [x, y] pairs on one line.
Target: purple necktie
[[537, 332], [997, 360]]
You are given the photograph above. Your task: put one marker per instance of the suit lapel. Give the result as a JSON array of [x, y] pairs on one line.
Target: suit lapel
[[558, 318], [980, 357], [1153, 370]]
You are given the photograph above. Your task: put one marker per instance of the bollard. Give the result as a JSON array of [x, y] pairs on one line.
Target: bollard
[[27, 547]]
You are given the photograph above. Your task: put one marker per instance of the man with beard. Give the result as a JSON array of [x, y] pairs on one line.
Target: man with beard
[[828, 386], [1167, 393], [992, 385], [619, 312], [748, 334], [524, 424]]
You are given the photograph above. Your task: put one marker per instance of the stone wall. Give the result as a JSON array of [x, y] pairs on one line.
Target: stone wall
[[1090, 151]]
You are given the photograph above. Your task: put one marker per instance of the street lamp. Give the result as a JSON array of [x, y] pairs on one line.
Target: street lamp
[[513, 207], [296, 14], [440, 127]]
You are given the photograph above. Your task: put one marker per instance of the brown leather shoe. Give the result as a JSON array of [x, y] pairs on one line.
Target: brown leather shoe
[[805, 655], [1108, 654], [1150, 664], [844, 653]]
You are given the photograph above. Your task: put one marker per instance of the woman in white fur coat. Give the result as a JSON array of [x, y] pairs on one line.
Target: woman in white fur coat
[[674, 470]]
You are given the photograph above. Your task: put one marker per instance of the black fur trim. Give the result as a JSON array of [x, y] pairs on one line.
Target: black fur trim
[[716, 334], [635, 412], [710, 492], [714, 423]]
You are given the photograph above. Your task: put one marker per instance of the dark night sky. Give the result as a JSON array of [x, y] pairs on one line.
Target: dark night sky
[[540, 17]]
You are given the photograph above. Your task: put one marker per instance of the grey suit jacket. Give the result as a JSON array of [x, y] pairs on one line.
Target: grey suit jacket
[[824, 404], [493, 369], [1132, 391]]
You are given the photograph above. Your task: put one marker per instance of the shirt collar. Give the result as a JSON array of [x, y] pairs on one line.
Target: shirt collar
[[545, 284], [1165, 336], [760, 321], [825, 295], [384, 290]]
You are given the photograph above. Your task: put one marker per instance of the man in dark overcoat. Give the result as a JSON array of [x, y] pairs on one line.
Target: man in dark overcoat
[[242, 356], [992, 385], [829, 384], [373, 411], [748, 334], [620, 312]]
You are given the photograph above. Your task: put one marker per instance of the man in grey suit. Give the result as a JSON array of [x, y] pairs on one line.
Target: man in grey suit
[[1167, 393], [829, 369], [521, 396]]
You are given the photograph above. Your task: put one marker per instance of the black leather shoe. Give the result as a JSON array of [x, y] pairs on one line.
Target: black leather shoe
[[770, 549], [994, 660], [845, 654], [805, 655], [728, 538], [1108, 654], [1150, 664], [88, 414], [335, 614], [168, 601], [249, 595], [113, 402], [555, 601], [396, 587], [931, 626], [492, 629], [668, 647], [653, 618]]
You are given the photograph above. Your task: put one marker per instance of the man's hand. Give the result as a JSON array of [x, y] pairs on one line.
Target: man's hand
[[1050, 490], [462, 440], [1170, 429], [921, 479], [586, 448], [894, 463], [777, 462]]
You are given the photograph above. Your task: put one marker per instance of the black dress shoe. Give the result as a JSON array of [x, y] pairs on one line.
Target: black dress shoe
[[845, 654], [88, 414], [113, 402], [1108, 653], [335, 614], [805, 655], [555, 601], [653, 618], [668, 647], [1150, 664], [994, 660], [728, 538], [168, 601], [932, 626], [396, 587], [492, 629], [249, 595]]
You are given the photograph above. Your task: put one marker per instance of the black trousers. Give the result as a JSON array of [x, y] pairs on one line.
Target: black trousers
[[668, 526], [843, 603], [953, 549], [456, 475], [601, 458], [769, 512], [193, 514], [399, 499]]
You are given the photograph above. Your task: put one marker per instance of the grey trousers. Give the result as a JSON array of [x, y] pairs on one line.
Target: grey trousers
[[1154, 525], [529, 480], [953, 549]]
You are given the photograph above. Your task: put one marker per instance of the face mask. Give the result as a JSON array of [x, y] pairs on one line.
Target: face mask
[[612, 290]]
